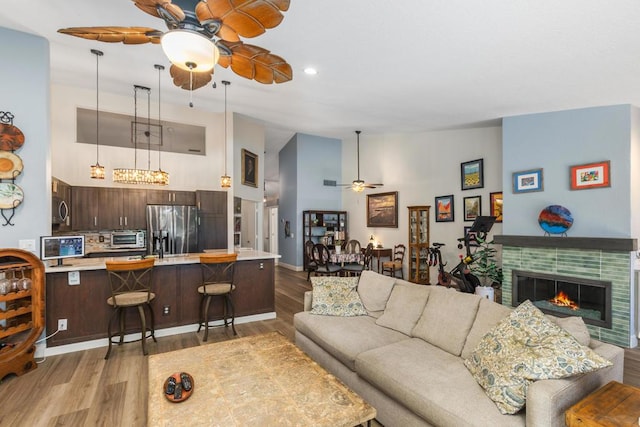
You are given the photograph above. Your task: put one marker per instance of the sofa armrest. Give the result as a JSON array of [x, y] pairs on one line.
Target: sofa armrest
[[547, 400], [308, 299]]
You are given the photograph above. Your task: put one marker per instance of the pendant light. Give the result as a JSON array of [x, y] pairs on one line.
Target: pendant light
[[225, 180], [161, 177], [97, 170]]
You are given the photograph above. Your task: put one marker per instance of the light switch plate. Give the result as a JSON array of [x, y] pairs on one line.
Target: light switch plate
[[27, 245], [74, 278]]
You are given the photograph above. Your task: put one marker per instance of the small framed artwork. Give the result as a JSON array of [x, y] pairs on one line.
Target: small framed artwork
[[591, 175], [444, 208], [472, 208], [382, 210], [472, 174], [527, 181], [495, 205], [249, 168]]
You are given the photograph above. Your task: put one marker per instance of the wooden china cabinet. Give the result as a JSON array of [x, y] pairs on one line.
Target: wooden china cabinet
[[419, 244], [21, 310]]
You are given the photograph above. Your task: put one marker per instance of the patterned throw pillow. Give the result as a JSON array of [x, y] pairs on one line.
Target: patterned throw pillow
[[336, 296], [523, 347]]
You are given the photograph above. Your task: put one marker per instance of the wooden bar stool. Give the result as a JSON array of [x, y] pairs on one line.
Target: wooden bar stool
[[130, 283], [217, 281]]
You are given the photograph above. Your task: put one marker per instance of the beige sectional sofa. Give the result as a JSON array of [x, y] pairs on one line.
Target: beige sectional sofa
[[406, 357]]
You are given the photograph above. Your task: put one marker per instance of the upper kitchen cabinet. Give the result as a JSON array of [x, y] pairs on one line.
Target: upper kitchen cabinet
[[212, 219], [165, 197], [101, 208]]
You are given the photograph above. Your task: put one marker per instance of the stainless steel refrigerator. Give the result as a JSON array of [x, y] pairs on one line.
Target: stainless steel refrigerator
[[172, 229]]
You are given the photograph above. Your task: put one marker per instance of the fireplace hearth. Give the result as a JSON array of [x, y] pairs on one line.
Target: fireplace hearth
[[564, 295]]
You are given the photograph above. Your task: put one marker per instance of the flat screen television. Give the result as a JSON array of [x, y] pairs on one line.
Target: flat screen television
[[61, 247]]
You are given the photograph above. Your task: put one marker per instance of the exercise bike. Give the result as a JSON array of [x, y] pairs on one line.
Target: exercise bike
[[460, 276]]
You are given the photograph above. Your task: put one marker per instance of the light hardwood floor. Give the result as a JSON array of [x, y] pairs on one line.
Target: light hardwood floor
[[83, 389]]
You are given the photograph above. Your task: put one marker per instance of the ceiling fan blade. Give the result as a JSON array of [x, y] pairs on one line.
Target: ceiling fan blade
[[182, 78], [248, 18], [126, 35], [256, 63], [151, 7], [373, 185]]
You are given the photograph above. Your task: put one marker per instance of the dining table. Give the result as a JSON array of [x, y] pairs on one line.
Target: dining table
[[345, 257]]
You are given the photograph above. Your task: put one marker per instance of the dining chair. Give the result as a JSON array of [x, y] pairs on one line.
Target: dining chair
[[395, 265], [356, 269], [311, 265], [321, 257], [353, 247], [130, 283]]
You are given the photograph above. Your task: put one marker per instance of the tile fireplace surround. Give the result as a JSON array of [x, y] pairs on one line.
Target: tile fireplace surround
[[589, 258]]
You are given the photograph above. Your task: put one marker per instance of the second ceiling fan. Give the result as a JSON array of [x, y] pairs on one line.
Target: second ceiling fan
[[358, 185]]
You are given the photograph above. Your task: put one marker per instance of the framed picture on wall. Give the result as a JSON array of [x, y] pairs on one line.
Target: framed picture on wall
[[444, 208], [495, 205], [382, 210], [591, 175], [472, 208], [527, 181], [472, 174], [249, 168]]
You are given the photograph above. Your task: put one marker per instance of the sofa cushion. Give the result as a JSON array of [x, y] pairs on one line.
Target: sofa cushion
[[523, 347], [447, 319], [575, 326], [488, 316], [374, 290], [336, 296], [404, 307], [345, 337], [432, 383]]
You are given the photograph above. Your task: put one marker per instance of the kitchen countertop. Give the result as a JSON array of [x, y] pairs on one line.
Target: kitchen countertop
[[80, 264]]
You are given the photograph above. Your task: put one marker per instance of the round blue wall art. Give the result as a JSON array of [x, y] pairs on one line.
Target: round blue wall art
[[555, 219]]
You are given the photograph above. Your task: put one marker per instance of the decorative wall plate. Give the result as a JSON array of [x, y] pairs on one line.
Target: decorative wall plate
[[10, 165], [11, 195], [11, 138], [555, 219]]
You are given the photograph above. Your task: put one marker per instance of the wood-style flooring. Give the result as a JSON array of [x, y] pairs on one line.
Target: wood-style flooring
[[83, 389]]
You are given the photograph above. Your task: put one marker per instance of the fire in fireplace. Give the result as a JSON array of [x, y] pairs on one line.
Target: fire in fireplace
[[564, 296]]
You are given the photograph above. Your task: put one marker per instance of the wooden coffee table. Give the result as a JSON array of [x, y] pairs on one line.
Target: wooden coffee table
[[262, 380], [614, 405]]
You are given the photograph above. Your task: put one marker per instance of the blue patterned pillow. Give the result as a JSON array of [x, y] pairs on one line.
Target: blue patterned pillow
[[524, 347], [336, 296]]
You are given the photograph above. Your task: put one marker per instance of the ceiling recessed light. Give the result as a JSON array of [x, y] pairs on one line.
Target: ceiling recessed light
[[310, 71]]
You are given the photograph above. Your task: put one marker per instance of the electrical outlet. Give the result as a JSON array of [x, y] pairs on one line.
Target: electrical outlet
[[62, 324], [165, 310]]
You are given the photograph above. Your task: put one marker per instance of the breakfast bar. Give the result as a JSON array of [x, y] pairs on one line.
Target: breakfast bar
[[78, 290]]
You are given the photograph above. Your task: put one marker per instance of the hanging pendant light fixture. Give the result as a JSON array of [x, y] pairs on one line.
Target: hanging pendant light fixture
[[225, 180], [160, 177], [135, 175], [97, 170]]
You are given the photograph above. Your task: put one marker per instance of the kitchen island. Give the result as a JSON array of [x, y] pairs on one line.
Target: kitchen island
[[177, 302]]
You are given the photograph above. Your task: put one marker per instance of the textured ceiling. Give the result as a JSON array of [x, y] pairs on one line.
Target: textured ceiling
[[384, 66]]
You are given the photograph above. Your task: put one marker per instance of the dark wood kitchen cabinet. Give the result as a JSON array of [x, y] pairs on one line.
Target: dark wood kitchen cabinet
[[212, 219], [104, 208], [165, 197]]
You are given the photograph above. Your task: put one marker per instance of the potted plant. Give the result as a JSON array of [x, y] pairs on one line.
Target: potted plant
[[485, 265]]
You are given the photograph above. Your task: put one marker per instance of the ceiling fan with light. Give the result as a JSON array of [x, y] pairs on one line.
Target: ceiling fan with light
[[203, 33], [359, 185]]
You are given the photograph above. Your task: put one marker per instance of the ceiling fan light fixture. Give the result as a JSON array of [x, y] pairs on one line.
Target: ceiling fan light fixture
[[184, 47], [358, 186]]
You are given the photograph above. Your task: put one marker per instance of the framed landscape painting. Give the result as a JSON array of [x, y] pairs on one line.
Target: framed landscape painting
[[472, 208], [592, 175], [472, 174], [444, 208], [495, 205], [382, 210], [527, 181]]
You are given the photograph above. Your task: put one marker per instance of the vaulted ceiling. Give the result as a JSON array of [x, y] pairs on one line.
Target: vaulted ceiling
[[383, 66]]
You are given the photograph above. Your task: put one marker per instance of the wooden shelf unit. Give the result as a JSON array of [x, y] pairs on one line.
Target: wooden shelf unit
[[21, 313], [419, 244]]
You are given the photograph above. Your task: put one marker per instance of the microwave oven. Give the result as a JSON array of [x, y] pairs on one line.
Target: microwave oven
[[128, 239]]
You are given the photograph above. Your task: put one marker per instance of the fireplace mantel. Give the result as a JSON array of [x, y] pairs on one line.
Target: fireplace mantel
[[599, 243]]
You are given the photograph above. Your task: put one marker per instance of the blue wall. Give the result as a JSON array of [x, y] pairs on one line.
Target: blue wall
[[305, 162], [24, 85], [555, 141]]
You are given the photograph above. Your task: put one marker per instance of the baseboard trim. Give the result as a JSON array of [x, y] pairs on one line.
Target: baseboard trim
[[291, 267], [88, 345]]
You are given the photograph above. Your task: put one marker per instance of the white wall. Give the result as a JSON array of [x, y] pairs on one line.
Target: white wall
[[421, 167]]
